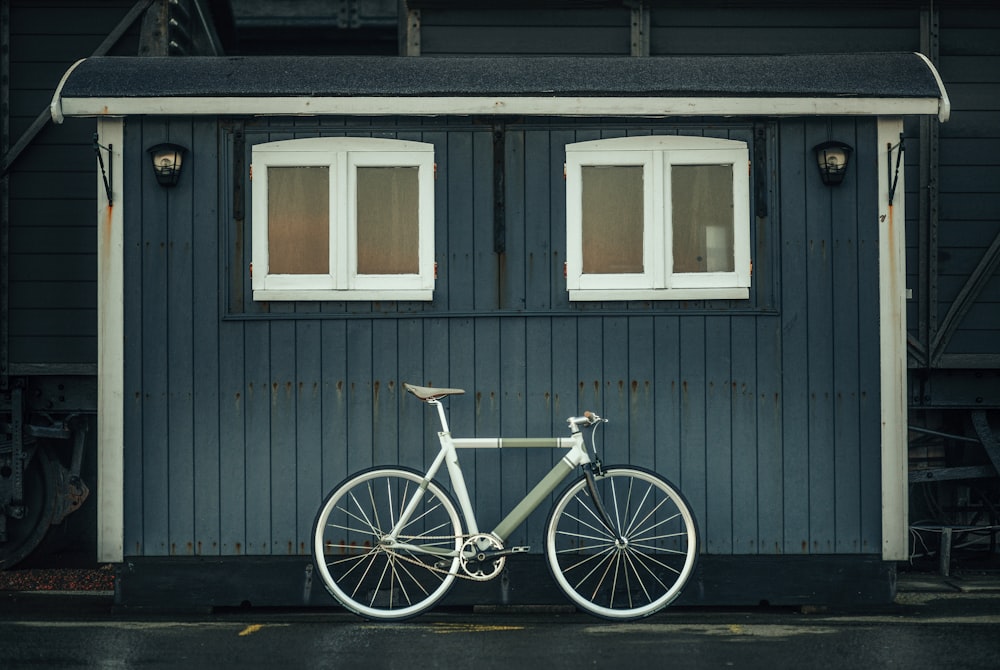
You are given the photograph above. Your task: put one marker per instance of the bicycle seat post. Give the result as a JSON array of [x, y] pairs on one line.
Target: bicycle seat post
[[440, 410]]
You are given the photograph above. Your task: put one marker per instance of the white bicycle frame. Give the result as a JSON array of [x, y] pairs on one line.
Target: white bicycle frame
[[576, 455]]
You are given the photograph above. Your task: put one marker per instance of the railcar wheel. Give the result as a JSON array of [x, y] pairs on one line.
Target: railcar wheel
[[40, 484]]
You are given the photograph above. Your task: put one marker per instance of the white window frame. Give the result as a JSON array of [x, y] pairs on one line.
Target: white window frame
[[657, 154], [343, 155]]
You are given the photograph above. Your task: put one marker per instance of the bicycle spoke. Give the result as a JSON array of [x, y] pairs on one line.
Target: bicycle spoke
[[387, 580], [639, 570]]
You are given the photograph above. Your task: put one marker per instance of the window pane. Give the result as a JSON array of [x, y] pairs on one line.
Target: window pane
[[702, 218], [388, 221], [298, 220], [612, 219]]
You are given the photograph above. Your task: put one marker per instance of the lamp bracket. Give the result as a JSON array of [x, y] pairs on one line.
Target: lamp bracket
[[105, 175], [894, 177]]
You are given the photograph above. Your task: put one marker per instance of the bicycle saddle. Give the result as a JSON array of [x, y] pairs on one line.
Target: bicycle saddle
[[430, 393]]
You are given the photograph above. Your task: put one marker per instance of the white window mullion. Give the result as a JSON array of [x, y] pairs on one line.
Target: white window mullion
[[344, 257], [662, 222]]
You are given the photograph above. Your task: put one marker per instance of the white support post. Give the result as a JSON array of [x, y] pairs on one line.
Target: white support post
[[892, 344], [110, 351]]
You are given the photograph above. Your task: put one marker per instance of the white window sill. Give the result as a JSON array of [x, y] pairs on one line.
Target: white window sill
[[273, 295], [714, 293]]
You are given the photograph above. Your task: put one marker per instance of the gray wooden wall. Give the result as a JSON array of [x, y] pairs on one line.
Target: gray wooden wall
[[239, 415]]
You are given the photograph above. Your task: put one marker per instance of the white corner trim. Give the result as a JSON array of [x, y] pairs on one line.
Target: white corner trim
[[110, 351], [892, 348]]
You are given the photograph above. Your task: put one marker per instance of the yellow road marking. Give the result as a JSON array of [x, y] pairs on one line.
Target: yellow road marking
[[249, 630], [448, 628]]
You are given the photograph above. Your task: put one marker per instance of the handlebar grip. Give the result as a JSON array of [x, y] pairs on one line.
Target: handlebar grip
[[589, 418]]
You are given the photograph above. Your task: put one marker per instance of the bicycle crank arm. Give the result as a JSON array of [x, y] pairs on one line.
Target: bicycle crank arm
[[507, 552]]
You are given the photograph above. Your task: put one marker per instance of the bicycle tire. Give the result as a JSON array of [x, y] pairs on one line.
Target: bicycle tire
[[638, 567], [364, 575]]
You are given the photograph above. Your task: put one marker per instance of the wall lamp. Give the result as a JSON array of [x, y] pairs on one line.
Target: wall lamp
[[167, 160], [832, 159]]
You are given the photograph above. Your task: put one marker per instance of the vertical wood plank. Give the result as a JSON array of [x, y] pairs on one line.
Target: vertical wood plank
[[769, 402], [334, 376], [869, 410], [358, 347], [257, 437], [308, 447], [718, 435], [512, 392], [233, 420], [744, 499], [795, 343], [460, 350], [819, 322], [641, 347], [666, 361], [457, 274], [514, 262], [539, 420], [847, 337], [614, 375], [537, 196], [693, 418], [385, 366], [488, 364], [409, 412], [180, 355], [205, 310], [282, 446], [155, 366]]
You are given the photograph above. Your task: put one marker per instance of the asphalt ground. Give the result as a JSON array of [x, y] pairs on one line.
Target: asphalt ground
[[935, 622]]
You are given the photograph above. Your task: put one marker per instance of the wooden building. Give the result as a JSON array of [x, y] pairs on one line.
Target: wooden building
[[775, 389]]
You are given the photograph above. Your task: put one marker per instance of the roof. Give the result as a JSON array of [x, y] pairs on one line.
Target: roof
[[876, 83]]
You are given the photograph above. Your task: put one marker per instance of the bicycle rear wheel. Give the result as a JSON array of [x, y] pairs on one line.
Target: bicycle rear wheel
[[373, 577], [640, 564]]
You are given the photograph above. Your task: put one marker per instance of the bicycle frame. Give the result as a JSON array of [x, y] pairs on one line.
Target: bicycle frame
[[448, 456]]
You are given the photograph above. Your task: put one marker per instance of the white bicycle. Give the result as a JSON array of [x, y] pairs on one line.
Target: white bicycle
[[620, 541]]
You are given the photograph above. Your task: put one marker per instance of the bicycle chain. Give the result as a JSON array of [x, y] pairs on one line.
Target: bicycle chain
[[433, 568]]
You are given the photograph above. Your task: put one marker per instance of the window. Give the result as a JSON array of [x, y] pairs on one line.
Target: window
[[339, 218], [657, 218]]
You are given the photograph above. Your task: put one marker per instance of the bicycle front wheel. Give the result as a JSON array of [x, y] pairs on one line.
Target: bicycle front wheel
[[371, 574], [636, 561]]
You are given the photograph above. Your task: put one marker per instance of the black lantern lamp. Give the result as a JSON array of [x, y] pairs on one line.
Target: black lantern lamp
[[167, 159], [832, 159]]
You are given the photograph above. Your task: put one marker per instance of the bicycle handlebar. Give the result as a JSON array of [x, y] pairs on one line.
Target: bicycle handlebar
[[589, 418]]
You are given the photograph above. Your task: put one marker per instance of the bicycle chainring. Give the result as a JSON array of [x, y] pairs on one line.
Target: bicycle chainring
[[479, 558]]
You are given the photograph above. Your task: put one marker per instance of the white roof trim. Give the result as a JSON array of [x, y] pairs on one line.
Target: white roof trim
[[55, 107], [526, 105], [944, 104]]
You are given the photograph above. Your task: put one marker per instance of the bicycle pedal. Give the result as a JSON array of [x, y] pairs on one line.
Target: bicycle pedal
[[519, 550]]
